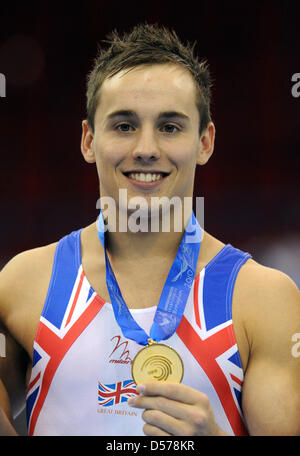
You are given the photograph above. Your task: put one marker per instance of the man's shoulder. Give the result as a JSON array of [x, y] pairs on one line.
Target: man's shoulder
[[254, 280], [267, 300], [28, 261], [24, 274], [264, 282]]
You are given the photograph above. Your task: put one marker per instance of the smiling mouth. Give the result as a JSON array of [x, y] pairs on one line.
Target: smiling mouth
[[146, 177]]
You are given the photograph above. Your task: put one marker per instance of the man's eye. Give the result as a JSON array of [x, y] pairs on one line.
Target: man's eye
[[124, 127], [169, 128]]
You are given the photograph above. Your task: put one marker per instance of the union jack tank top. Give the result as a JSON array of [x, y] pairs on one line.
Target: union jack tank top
[[81, 369]]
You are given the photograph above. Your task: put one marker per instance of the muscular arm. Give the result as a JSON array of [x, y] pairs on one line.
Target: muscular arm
[[23, 286], [6, 427], [271, 390], [12, 382]]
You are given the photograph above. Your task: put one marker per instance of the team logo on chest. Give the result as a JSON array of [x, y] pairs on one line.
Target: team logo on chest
[[110, 394], [115, 393], [120, 353]]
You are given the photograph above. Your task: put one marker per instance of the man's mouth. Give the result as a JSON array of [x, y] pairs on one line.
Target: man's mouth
[[146, 177]]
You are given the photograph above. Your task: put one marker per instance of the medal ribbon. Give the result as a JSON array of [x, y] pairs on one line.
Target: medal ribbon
[[175, 292]]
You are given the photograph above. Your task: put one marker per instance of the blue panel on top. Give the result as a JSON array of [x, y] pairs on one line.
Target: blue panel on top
[[219, 278], [30, 403], [35, 357], [235, 359], [65, 269], [91, 291]]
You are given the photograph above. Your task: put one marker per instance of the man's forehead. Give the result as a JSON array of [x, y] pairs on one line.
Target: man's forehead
[[159, 83], [171, 72]]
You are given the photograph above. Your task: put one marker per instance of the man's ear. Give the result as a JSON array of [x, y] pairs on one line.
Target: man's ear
[[87, 145], [206, 144]]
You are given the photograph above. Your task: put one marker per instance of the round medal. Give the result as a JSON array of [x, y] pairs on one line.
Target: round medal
[[157, 363]]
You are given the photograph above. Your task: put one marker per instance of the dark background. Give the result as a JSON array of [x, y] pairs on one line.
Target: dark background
[[251, 183]]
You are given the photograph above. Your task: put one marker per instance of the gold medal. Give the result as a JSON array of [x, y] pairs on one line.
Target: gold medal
[[157, 363]]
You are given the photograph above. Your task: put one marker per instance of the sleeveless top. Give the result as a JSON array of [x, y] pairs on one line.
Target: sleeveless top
[[81, 370]]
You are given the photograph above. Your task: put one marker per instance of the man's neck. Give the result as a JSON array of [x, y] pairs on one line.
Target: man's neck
[[122, 246], [145, 244]]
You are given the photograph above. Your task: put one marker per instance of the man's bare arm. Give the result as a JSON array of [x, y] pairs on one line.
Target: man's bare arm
[[13, 364], [271, 390], [23, 285], [6, 426]]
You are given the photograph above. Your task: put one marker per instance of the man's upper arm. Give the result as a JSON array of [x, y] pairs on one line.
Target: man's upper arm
[[23, 287], [271, 390], [13, 360]]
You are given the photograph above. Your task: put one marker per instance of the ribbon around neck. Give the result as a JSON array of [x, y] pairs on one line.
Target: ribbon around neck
[[175, 292]]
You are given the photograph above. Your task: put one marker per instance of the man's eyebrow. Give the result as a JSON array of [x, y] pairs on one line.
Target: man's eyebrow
[[172, 115], [162, 115], [121, 113]]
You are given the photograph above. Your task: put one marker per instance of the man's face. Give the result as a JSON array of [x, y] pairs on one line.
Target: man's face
[[146, 133]]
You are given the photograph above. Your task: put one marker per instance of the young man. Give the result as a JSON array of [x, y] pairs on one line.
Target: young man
[[64, 307]]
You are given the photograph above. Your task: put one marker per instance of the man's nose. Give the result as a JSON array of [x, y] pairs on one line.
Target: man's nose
[[146, 146]]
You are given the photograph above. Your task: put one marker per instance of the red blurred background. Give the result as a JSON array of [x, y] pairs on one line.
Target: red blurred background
[[251, 183]]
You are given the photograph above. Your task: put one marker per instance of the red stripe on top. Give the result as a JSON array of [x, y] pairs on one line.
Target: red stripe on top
[[236, 379], [75, 298], [57, 348], [31, 384], [206, 352]]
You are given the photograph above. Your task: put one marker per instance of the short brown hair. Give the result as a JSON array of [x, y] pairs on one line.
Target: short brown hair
[[148, 44]]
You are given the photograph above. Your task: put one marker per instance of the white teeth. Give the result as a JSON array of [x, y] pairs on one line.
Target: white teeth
[[145, 177]]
